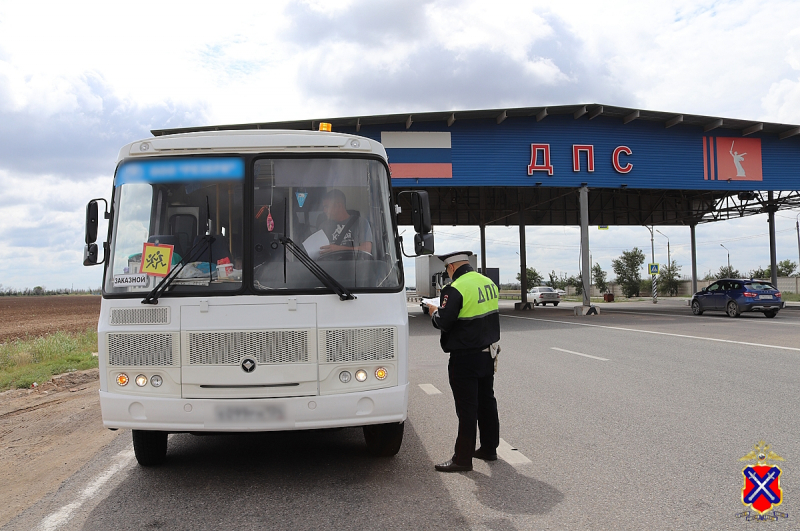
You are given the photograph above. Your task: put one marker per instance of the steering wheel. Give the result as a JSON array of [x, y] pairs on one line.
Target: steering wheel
[[345, 254]]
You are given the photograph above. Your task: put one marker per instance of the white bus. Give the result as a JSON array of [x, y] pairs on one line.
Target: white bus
[[253, 281]]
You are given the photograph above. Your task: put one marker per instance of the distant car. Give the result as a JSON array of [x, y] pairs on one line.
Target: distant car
[[736, 296], [543, 295], [561, 292]]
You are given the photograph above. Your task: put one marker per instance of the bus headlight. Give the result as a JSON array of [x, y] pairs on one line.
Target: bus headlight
[[344, 376], [122, 379], [381, 373], [156, 381], [141, 380], [361, 375]]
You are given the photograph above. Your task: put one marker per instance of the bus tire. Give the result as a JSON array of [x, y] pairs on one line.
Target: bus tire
[[384, 440], [150, 447]]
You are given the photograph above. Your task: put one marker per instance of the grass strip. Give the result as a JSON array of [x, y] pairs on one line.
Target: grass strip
[[36, 359]]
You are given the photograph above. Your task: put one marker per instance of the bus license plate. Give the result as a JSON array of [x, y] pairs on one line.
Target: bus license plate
[[266, 415]]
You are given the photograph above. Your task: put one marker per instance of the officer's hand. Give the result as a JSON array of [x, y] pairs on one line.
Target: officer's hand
[[432, 308]]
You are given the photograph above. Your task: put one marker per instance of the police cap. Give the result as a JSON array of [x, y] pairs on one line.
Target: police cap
[[458, 256]]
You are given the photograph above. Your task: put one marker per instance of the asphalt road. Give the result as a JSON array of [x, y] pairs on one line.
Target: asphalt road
[[633, 419]]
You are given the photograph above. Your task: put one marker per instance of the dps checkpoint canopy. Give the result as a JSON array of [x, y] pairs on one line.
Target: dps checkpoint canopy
[[642, 167]]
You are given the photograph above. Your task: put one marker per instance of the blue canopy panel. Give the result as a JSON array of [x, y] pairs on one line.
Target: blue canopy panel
[[603, 152]]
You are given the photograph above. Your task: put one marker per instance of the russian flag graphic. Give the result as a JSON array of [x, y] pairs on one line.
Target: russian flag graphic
[[418, 155]]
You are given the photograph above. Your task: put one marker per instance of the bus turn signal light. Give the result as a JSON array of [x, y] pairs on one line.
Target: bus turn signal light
[[381, 373], [325, 126], [122, 379]]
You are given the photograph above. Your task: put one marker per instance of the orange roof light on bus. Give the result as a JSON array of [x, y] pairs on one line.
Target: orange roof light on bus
[[325, 126]]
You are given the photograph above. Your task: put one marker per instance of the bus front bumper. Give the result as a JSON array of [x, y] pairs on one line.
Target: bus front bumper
[[241, 415]]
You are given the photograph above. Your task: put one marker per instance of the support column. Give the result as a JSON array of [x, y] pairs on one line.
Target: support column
[[773, 260], [483, 248], [586, 267], [694, 259], [523, 264]]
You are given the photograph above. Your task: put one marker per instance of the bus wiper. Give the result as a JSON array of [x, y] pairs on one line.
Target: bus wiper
[[194, 253], [323, 276]]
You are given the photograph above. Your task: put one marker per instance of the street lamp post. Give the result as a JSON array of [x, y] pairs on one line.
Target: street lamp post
[[797, 226], [669, 260], [729, 258]]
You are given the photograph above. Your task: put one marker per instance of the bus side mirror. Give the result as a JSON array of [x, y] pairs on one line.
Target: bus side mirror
[[423, 244], [90, 254], [420, 212], [90, 249], [91, 223]]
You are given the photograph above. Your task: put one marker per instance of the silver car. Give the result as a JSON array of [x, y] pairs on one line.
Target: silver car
[[543, 295]]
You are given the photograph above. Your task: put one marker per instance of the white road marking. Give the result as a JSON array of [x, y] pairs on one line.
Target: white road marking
[[690, 316], [511, 455], [63, 515], [656, 333], [579, 354], [430, 389]]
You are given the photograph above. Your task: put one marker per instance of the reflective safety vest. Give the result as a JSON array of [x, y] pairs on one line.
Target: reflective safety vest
[[479, 293]]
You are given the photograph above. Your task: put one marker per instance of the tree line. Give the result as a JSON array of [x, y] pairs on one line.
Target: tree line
[[628, 271], [42, 291]]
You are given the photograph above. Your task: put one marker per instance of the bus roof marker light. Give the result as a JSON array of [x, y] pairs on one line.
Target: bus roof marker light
[[355, 144], [325, 126]]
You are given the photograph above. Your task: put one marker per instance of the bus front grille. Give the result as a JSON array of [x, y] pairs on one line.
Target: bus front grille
[[142, 350], [230, 348], [139, 316], [358, 344]]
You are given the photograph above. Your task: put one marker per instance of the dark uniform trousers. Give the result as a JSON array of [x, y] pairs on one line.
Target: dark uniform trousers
[[471, 375]]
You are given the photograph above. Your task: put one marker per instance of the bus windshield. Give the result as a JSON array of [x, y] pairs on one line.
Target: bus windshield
[[335, 210], [163, 209]]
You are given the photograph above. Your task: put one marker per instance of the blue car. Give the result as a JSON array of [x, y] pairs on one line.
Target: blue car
[[735, 296]]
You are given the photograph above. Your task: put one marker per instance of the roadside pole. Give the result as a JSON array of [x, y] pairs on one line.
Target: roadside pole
[[653, 261]]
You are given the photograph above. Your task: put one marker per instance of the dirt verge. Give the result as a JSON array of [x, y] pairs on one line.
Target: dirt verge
[[46, 435]]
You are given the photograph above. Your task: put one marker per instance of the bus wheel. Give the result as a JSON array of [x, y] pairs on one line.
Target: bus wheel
[[384, 440], [150, 447]]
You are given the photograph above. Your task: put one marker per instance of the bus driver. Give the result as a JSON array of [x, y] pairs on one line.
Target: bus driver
[[345, 232]]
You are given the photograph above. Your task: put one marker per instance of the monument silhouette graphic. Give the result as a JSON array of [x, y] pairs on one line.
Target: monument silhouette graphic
[[737, 161]]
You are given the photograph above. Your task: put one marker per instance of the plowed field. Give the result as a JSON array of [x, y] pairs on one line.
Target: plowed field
[[37, 316]]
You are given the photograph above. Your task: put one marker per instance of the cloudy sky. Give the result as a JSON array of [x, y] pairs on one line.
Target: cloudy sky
[[80, 79]]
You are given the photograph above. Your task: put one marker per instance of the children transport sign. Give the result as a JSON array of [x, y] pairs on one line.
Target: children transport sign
[[156, 259]]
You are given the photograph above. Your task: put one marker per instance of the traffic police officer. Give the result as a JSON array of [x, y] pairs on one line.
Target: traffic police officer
[[470, 325]]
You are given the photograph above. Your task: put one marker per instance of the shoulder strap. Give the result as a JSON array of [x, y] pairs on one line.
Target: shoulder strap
[[346, 229]]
